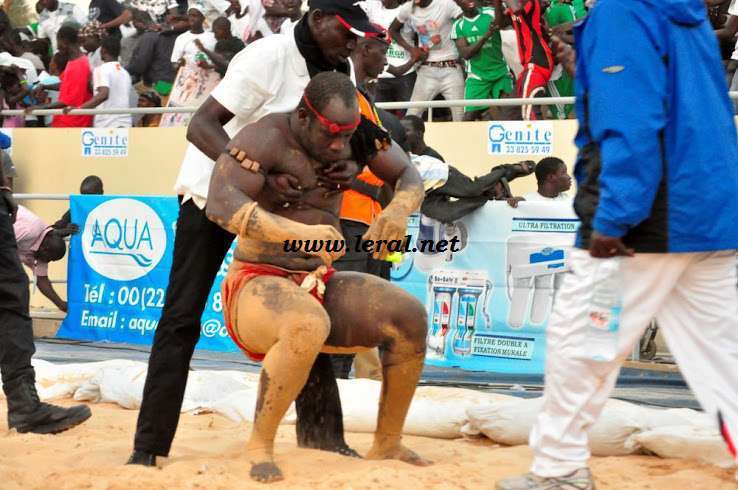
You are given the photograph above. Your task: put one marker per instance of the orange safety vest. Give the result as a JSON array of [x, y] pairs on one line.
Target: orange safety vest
[[356, 206]]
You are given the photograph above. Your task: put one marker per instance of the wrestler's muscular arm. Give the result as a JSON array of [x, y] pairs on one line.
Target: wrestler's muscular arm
[[394, 167], [233, 189]]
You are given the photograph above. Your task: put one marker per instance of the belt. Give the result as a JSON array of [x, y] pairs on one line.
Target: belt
[[441, 64]]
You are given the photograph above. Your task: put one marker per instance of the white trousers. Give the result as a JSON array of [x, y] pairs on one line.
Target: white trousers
[[433, 80], [693, 297]]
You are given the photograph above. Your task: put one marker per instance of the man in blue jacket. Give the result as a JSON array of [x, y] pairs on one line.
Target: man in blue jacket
[[657, 177]]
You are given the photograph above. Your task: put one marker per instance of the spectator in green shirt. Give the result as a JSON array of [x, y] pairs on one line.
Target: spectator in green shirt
[[560, 16], [564, 12], [480, 45]]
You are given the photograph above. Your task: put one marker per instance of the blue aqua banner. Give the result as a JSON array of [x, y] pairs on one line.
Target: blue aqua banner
[[118, 271], [488, 292]]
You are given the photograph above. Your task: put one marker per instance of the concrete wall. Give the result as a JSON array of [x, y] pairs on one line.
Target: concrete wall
[[51, 161]]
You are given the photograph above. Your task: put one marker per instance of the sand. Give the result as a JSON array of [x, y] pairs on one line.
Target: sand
[[208, 454]]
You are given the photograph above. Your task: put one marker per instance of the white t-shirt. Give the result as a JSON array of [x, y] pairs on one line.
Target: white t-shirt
[[245, 26], [433, 171], [37, 63], [6, 59], [535, 196], [118, 81], [213, 8], [268, 76], [185, 47], [95, 59], [50, 22], [396, 54], [433, 25]]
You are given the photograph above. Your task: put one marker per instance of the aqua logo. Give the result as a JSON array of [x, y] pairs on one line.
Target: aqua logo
[[123, 239]]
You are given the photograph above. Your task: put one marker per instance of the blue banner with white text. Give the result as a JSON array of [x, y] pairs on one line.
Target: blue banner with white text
[[488, 291], [118, 272]]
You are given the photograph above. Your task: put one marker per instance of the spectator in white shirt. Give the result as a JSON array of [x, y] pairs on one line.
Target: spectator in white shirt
[[112, 86], [440, 73], [277, 15], [55, 14], [245, 17], [553, 182], [212, 9], [185, 50], [396, 82]]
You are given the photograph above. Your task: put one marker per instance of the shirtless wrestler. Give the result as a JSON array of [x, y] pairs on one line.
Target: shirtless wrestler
[[286, 307]]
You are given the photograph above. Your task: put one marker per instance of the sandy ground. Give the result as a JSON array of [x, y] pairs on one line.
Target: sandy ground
[[208, 454]]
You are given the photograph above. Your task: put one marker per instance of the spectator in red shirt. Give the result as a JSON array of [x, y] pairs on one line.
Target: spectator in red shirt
[[535, 52], [74, 88]]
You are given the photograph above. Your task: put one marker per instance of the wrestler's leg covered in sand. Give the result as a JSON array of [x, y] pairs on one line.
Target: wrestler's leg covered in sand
[[273, 315]]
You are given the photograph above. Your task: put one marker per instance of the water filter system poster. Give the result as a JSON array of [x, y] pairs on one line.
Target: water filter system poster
[[489, 302]]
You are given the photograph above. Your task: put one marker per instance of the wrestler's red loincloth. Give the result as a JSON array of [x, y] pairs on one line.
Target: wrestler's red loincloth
[[239, 273]]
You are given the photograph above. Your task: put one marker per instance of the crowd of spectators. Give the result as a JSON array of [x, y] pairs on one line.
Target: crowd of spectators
[[120, 55]]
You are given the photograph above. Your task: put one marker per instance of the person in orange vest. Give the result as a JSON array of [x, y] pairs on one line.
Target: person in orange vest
[[367, 196]]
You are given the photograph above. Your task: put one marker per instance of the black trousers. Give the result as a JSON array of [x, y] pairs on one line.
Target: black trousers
[[470, 194], [357, 262], [16, 331], [199, 249], [396, 90]]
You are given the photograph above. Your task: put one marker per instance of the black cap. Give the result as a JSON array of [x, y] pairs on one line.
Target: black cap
[[350, 15]]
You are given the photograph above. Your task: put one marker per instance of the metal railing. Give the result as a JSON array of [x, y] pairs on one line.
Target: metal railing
[[426, 104]]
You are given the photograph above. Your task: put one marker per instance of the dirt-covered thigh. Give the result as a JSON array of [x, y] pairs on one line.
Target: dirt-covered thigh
[[367, 311]]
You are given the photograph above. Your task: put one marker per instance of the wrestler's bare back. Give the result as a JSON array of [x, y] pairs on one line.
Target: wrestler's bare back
[[272, 144]]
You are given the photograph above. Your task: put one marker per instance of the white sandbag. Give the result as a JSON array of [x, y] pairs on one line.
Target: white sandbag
[[659, 417], [686, 442], [115, 384], [54, 381], [434, 412], [510, 423]]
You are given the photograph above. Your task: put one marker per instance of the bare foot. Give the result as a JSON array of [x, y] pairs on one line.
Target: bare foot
[[401, 453], [266, 472]]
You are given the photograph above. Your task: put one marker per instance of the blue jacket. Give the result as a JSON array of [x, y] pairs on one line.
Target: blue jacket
[[658, 152], [4, 141]]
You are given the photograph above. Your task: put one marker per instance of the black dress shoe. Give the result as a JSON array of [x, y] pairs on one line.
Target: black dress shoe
[[142, 458]]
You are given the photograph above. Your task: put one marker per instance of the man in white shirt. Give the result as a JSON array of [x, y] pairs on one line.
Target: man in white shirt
[[247, 20], [440, 73], [29, 71], [55, 14], [212, 9], [185, 50], [268, 76], [396, 82], [112, 86], [553, 182]]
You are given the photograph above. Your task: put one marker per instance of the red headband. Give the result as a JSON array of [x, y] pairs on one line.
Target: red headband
[[332, 127]]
